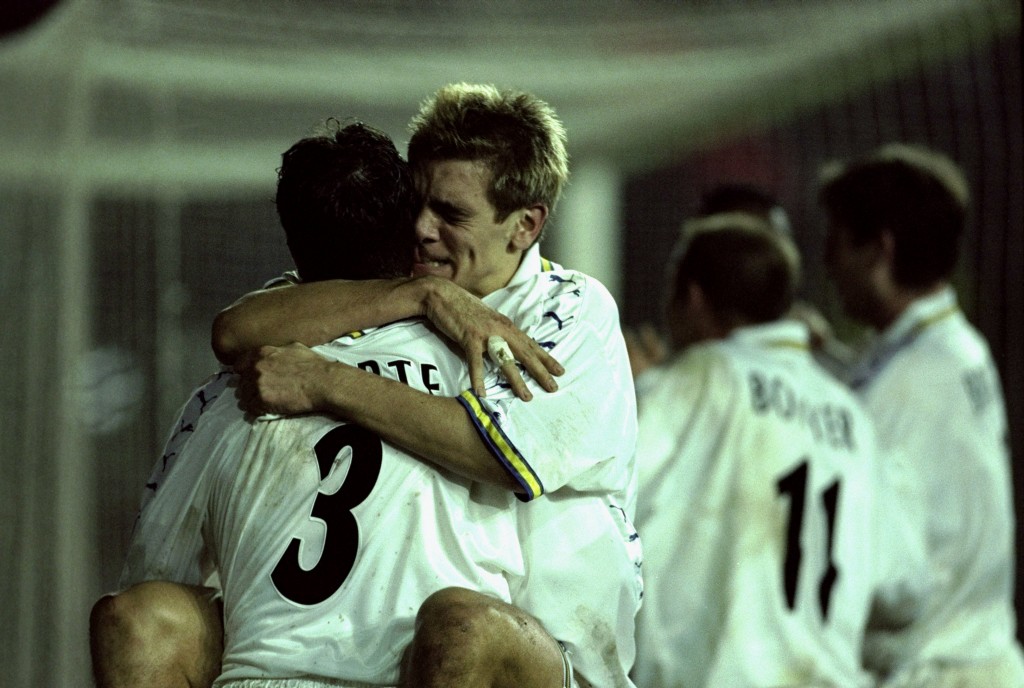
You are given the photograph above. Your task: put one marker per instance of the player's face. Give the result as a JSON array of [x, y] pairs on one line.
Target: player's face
[[457, 235], [854, 271]]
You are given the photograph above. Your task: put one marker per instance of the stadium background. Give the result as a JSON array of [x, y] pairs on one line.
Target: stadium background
[[139, 141]]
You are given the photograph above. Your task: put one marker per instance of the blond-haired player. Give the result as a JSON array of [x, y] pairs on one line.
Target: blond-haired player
[[490, 165]]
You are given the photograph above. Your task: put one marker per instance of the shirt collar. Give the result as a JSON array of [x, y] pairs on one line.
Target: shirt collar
[[918, 316], [781, 334], [532, 263]]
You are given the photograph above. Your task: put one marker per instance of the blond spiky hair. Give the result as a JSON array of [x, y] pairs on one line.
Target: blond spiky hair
[[516, 134]]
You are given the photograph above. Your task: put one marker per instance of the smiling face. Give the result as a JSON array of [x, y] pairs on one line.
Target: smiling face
[[457, 235]]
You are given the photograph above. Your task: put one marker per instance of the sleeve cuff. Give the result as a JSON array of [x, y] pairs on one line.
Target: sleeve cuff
[[501, 447]]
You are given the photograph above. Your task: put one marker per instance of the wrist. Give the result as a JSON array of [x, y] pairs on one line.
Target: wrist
[[327, 392], [427, 293]]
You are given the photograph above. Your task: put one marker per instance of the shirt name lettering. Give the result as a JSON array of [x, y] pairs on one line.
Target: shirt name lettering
[[828, 423], [399, 369]]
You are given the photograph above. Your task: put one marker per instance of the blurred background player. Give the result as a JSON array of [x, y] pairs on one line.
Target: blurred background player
[[648, 348], [757, 482], [895, 218]]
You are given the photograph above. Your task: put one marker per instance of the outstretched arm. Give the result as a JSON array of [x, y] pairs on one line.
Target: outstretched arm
[[317, 312]]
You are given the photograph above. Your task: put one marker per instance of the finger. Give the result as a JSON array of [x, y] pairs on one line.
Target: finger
[[515, 380], [476, 372], [501, 355], [540, 365], [499, 351], [244, 394], [550, 363], [248, 393], [243, 362]]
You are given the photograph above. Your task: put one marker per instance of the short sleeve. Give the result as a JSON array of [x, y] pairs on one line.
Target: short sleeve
[[582, 436]]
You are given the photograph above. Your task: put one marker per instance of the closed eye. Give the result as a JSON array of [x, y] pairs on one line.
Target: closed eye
[[448, 212]]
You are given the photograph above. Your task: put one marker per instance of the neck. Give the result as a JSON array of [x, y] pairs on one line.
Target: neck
[[900, 300]]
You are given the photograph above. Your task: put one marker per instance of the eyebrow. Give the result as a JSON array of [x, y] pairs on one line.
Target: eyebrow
[[446, 208]]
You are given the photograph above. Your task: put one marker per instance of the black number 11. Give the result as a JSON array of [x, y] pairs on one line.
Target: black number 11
[[794, 486]]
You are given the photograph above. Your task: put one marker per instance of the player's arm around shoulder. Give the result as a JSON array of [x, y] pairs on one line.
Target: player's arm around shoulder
[[314, 312]]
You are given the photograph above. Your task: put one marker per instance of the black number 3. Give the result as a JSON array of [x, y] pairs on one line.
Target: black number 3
[[335, 510], [794, 486]]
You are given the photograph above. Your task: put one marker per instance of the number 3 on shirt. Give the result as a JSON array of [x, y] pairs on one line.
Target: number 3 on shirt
[[335, 510], [794, 486]]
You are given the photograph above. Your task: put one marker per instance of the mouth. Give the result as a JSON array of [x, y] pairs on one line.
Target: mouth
[[425, 265]]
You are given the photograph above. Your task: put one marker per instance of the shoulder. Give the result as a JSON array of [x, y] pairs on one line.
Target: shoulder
[[570, 294], [558, 283], [560, 303], [958, 341], [941, 362], [706, 373]]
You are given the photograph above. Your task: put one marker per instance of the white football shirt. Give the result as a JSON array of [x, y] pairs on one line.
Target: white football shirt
[[573, 451], [573, 448], [326, 539], [932, 389], [757, 474]]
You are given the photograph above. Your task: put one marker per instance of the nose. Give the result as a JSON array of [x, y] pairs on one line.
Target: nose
[[426, 226]]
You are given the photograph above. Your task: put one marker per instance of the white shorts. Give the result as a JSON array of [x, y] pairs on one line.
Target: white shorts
[[292, 683]]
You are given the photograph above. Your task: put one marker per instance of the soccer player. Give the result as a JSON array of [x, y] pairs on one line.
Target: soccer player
[[328, 541], [490, 165], [646, 346], [929, 383], [757, 475]]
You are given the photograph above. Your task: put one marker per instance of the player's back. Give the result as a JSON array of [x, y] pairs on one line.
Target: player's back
[[328, 540], [756, 501]]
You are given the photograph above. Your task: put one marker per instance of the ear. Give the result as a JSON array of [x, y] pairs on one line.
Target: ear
[[887, 246], [695, 297], [529, 222], [706, 322], [880, 261]]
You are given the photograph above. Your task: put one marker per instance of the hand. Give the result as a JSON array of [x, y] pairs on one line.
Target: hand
[[645, 348], [465, 320], [286, 380]]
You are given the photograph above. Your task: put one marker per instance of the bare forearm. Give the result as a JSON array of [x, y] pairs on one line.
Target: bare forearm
[[313, 313], [435, 428]]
